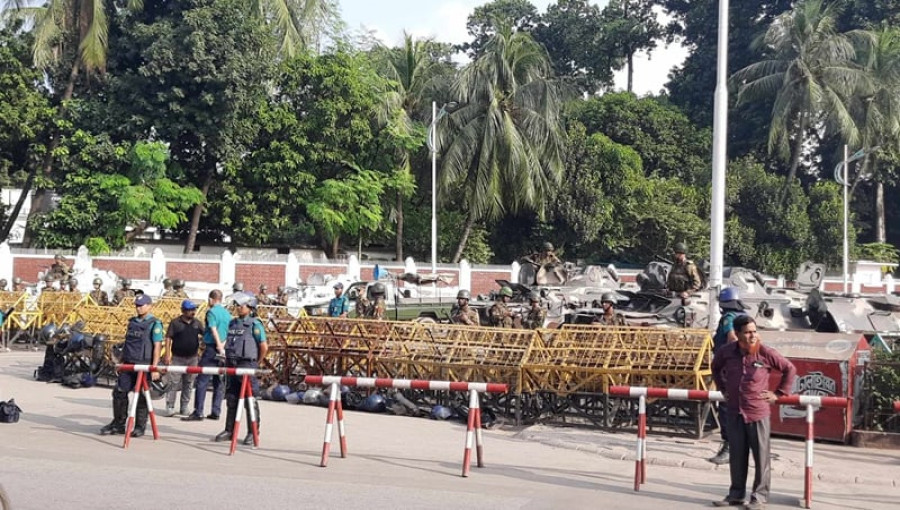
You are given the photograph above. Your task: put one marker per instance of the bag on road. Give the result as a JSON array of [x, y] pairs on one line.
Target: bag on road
[[9, 411]]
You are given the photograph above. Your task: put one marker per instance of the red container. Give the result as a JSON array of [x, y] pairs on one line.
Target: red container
[[828, 365]]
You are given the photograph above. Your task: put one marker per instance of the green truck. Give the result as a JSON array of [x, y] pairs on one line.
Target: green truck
[[425, 303]]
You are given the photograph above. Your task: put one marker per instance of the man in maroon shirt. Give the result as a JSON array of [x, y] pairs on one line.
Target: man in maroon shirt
[[741, 370]]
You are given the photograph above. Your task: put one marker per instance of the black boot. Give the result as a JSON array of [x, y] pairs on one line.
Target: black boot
[[230, 415], [248, 439], [120, 412], [722, 456], [140, 419]]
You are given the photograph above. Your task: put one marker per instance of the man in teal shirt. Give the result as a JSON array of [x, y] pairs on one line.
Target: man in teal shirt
[[339, 306], [217, 319], [143, 343]]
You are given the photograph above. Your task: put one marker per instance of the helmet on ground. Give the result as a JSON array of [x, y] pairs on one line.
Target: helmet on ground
[[441, 413], [281, 392], [680, 248], [178, 283], [378, 289], [463, 294], [88, 380], [167, 283], [534, 296], [75, 343], [242, 298], [729, 294], [97, 282], [506, 291], [158, 389], [294, 397], [311, 396], [548, 246], [126, 282], [48, 332], [374, 403], [608, 297], [237, 287]]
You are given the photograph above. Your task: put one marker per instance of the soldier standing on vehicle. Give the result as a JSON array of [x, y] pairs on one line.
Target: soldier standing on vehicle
[[262, 297], [338, 306], [124, 292], [178, 289], [684, 277], [99, 295], [610, 317], [536, 314], [463, 313], [281, 298], [378, 309], [500, 314], [59, 270], [168, 292]]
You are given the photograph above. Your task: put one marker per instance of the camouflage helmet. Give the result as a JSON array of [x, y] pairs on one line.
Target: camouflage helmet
[[506, 291], [73, 282], [97, 282], [378, 289], [3, 283], [17, 281], [534, 296], [463, 294], [263, 287], [680, 248], [548, 246], [237, 287], [167, 283], [126, 282], [608, 297], [281, 289], [178, 283], [58, 256]]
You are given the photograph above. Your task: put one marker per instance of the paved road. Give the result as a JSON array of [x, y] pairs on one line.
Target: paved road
[[54, 458]]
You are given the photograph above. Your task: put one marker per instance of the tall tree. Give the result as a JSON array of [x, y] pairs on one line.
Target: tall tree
[[808, 71], [486, 20], [505, 145], [415, 70], [632, 26]]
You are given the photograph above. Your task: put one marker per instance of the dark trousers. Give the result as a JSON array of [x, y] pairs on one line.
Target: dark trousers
[[722, 408], [744, 439], [233, 392], [208, 359], [125, 383]]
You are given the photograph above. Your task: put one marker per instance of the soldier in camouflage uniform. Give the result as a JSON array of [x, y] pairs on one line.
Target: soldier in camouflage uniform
[[98, 295], [3, 284], [500, 314], [684, 277], [168, 291], [378, 309], [178, 289], [610, 317], [48, 284], [72, 285], [59, 270], [18, 285], [281, 298], [124, 292], [536, 314], [262, 297], [462, 312]]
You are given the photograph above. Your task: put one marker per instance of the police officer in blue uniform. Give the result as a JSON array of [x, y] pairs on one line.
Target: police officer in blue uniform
[[245, 347], [143, 343], [338, 306]]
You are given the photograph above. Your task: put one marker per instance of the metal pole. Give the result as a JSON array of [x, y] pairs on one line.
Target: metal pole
[[434, 187], [846, 223], [720, 162]]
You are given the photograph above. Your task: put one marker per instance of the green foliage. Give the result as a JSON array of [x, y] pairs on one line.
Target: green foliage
[[826, 219], [631, 26], [879, 252], [347, 206], [486, 20], [882, 381], [109, 187]]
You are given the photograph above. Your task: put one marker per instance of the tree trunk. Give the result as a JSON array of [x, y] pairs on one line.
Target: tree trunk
[[198, 212], [399, 227], [795, 158], [880, 232], [11, 221], [631, 72], [41, 202], [470, 221], [335, 246]]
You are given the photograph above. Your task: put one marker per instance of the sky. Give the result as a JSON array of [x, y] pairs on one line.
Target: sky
[[445, 20]]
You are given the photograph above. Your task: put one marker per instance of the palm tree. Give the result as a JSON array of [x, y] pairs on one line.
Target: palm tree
[[810, 71], [505, 144], [74, 34], [415, 72], [876, 108]]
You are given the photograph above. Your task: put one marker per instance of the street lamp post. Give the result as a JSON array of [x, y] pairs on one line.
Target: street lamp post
[[720, 162], [432, 144]]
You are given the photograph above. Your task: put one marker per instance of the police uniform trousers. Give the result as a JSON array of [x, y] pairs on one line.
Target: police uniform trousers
[[208, 359], [744, 439], [125, 383], [233, 392]]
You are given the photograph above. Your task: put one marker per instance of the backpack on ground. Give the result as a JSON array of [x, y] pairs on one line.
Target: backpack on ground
[[9, 411]]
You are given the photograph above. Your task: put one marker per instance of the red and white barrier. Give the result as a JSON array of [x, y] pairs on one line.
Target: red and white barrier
[[473, 429], [246, 395], [642, 393]]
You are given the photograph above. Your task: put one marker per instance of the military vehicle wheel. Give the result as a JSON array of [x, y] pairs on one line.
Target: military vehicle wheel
[[426, 320]]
